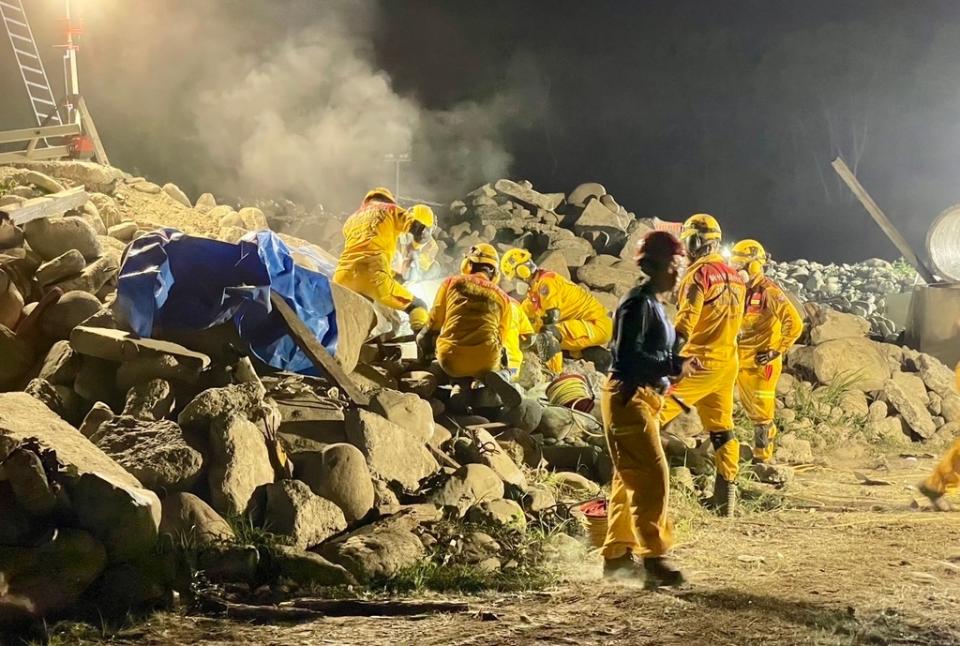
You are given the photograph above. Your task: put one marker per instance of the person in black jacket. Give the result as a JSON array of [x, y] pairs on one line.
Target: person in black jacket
[[645, 361]]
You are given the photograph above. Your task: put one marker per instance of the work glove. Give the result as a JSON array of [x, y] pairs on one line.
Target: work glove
[[426, 343], [766, 356]]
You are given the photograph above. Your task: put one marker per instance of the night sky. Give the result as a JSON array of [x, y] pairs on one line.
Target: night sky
[[735, 108]]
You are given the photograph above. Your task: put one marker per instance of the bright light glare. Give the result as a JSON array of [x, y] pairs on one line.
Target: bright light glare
[[426, 290], [727, 252]]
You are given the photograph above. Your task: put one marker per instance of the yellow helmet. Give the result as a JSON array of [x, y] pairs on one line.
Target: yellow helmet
[[517, 263], [423, 214], [699, 234], [382, 193], [703, 225], [748, 250], [481, 254], [750, 256]]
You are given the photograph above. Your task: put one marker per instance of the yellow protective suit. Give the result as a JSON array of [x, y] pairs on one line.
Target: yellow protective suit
[[370, 237], [519, 327], [637, 509], [946, 475], [584, 322], [770, 322], [471, 316], [710, 297]]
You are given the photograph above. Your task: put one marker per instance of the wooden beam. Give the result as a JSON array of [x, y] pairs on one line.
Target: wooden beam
[[26, 134], [882, 221], [317, 354], [39, 154], [100, 153], [378, 608], [46, 206]]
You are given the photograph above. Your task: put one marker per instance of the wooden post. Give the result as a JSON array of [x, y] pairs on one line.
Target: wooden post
[[882, 221], [91, 129], [321, 359]]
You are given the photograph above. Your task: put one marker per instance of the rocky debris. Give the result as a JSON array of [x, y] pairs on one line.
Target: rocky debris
[[828, 324], [376, 551], [186, 515], [175, 193], [469, 485], [861, 289], [239, 463], [393, 453], [338, 473], [53, 237], [910, 407], [294, 510], [499, 513], [154, 451]]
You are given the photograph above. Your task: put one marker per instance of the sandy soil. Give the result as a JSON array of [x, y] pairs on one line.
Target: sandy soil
[[840, 563]]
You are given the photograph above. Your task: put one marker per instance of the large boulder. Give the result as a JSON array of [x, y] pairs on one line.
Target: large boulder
[[154, 451], [855, 359], [469, 485], [66, 265], [376, 552], [583, 192], [17, 358], [71, 310], [520, 193], [239, 463], [617, 279], [406, 410], [152, 400], [356, 317], [339, 473], [294, 510], [912, 409], [111, 501], [186, 515], [93, 278], [244, 400], [42, 580], [937, 377], [53, 237], [597, 217], [94, 177], [828, 324], [176, 194], [913, 385], [393, 453], [637, 232], [309, 569]]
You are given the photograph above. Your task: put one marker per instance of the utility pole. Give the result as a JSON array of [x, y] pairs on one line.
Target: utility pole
[[70, 76], [397, 159]]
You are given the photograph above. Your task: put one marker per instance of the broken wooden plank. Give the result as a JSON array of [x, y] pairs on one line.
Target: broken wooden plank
[[882, 221], [315, 351], [100, 153], [385, 608], [26, 134], [46, 206]]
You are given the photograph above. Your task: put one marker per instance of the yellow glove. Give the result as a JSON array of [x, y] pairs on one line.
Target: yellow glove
[[419, 317]]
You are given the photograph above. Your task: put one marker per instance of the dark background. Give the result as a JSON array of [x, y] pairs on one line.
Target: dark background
[[735, 108]]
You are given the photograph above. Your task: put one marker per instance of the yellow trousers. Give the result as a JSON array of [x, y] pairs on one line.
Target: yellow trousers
[[637, 510], [576, 335], [460, 361], [711, 391], [947, 473], [373, 278], [758, 396]]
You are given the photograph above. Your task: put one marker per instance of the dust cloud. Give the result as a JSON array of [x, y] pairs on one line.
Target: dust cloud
[[280, 100]]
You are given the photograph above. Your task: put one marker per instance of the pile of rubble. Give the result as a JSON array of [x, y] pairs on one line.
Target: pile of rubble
[[129, 464], [860, 288]]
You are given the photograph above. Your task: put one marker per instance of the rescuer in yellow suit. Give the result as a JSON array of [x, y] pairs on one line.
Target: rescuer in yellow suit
[[946, 475], [370, 237], [771, 325], [518, 336], [558, 308], [710, 311], [470, 318]]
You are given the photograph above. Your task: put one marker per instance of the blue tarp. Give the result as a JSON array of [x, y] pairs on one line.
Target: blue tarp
[[169, 280]]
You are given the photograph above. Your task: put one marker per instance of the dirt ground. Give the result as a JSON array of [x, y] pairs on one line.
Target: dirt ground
[[841, 562]]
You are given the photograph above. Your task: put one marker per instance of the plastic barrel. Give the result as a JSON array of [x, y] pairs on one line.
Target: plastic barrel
[[943, 244]]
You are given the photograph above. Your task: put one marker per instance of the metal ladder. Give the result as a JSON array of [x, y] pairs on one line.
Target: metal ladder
[[34, 76]]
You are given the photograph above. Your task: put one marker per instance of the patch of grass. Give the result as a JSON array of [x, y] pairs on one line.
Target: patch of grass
[[7, 185], [260, 537], [904, 269], [818, 407]]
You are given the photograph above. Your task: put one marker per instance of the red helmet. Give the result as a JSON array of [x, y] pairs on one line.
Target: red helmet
[[658, 246]]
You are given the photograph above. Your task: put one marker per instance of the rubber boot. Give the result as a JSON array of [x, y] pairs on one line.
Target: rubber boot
[[724, 499], [622, 567], [661, 574], [937, 499]]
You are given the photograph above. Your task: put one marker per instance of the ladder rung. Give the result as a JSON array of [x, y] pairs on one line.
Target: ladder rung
[[10, 6], [20, 52], [39, 100], [16, 22], [13, 35], [32, 69], [39, 85]]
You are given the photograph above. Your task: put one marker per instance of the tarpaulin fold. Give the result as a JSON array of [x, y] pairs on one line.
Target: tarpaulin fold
[[169, 280]]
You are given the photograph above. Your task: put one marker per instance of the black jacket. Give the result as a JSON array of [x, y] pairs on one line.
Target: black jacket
[[645, 348]]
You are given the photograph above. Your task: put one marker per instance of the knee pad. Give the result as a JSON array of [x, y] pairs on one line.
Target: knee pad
[[720, 438]]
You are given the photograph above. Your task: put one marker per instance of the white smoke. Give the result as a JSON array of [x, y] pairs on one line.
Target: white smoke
[[256, 109]]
